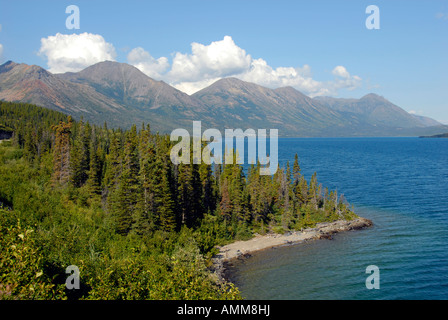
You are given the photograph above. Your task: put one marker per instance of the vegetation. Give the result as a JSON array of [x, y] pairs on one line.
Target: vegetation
[[442, 135], [138, 227]]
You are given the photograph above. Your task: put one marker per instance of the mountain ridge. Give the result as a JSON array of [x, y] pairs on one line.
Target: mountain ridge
[[123, 95]]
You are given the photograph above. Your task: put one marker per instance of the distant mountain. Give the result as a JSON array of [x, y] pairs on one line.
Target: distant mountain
[[33, 84], [428, 122], [143, 98], [122, 95], [442, 135], [247, 105], [376, 115], [108, 91], [376, 110], [128, 86]]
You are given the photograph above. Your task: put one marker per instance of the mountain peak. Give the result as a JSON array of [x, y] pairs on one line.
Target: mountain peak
[[373, 96], [7, 66], [229, 82], [9, 63], [111, 69], [24, 70], [122, 95]]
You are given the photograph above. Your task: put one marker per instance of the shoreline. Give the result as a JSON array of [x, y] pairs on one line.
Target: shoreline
[[244, 249]]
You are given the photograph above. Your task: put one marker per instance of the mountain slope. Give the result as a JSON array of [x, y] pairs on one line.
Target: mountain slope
[[248, 105], [122, 95], [108, 91], [129, 86], [33, 84], [143, 98], [426, 121], [375, 110]]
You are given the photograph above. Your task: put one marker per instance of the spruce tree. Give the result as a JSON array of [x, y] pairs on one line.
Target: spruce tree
[[80, 156], [127, 194], [61, 153], [95, 165], [144, 217], [296, 170]]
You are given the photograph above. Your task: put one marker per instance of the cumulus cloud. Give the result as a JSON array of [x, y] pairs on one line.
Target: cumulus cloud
[[300, 77], [218, 59], [152, 67], [191, 72], [344, 79], [194, 86], [75, 52], [340, 71]]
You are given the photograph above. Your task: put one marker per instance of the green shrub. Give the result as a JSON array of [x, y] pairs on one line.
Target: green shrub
[[22, 264]]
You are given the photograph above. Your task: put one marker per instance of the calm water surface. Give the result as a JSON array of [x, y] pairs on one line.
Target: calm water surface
[[401, 184]]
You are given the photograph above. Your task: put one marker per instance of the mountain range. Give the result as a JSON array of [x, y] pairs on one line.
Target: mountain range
[[121, 95]]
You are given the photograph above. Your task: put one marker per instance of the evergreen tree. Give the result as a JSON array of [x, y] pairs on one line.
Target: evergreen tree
[[208, 187], [296, 170], [95, 172], [127, 193], [185, 194], [225, 204], [61, 153], [145, 216], [80, 155]]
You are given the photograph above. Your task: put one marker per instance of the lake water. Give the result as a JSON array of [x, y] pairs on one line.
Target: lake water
[[401, 184]]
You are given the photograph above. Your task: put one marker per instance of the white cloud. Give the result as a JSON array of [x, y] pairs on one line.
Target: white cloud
[[206, 64], [194, 86], [141, 59], [300, 78], [75, 52], [218, 59], [340, 71]]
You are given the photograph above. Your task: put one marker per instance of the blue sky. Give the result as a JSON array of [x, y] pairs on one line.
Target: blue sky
[[318, 47]]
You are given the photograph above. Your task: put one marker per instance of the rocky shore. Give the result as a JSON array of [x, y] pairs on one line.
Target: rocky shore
[[243, 249]]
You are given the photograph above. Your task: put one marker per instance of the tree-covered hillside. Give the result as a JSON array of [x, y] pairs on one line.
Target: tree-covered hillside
[[137, 226]]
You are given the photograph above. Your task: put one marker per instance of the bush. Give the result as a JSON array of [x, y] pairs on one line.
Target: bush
[[22, 263]]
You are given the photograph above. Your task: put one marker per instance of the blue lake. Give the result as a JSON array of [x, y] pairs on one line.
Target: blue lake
[[401, 184]]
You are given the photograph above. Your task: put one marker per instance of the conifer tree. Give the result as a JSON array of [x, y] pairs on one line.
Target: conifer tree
[[296, 170], [302, 191], [164, 200], [145, 217], [225, 204], [95, 165], [80, 157], [127, 193], [185, 193], [208, 187], [113, 166], [61, 153]]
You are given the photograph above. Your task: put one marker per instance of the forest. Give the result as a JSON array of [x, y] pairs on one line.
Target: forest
[[110, 201]]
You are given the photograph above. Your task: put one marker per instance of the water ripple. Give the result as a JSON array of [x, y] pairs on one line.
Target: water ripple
[[399, 183]]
